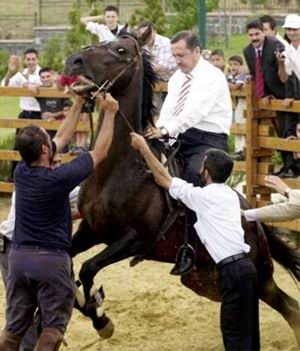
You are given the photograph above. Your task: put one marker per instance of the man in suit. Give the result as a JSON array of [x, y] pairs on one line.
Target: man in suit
[[262, 62], [283, 211]]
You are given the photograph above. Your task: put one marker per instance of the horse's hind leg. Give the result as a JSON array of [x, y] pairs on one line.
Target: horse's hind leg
[[83, 239], [283, 303]]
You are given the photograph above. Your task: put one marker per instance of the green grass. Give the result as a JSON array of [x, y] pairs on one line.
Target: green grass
[[9, 107], [236, 45]]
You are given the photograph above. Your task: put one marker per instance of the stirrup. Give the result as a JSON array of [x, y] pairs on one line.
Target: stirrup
[[185, 260]]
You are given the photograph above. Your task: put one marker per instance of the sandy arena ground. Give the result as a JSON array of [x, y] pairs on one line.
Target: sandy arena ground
[[153, 312]]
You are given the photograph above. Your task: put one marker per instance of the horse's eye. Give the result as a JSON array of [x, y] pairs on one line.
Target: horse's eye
[[121, 50]]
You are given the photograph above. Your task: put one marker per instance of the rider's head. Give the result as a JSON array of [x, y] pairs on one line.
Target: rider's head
[[216, 166]]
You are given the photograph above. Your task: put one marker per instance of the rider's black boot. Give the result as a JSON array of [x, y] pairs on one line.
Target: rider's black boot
[[185, 260]]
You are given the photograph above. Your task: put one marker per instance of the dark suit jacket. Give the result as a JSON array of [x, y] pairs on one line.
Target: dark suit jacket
[[273, 85]]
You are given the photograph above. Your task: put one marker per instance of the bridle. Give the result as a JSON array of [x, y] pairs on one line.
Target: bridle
[[108, 83]]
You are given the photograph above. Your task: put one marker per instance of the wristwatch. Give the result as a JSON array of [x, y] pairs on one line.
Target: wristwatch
[[164, 132], [287, 191]]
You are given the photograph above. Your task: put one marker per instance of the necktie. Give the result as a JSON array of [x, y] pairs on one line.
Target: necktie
[[184, 91], [259, 77]]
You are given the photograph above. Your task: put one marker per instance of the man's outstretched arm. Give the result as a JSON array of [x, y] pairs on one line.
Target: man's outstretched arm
[[160, 173]]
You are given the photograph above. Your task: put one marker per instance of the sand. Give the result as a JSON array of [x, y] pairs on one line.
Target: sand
[[152, 311]]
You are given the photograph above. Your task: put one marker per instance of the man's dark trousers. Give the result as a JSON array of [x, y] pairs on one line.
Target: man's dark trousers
[[239, 309]]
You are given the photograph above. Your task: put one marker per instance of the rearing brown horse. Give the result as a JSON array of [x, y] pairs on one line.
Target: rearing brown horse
[[123, 208]]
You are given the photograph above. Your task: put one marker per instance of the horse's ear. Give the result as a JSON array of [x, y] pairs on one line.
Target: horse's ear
[[143, 39], [124, 30]]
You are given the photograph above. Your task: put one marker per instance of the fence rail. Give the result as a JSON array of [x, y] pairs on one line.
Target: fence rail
[[258, 129]]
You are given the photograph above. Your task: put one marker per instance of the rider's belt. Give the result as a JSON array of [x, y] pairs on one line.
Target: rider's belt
[[231, 259]]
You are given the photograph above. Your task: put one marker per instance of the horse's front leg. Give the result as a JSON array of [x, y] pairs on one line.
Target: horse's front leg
[[83, 239], [128, 245]]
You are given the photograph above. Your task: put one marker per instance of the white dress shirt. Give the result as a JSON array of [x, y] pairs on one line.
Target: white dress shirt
[[218, 217], [292, 60], [102, 31], [27, 103], [208, 104], [7, 227]]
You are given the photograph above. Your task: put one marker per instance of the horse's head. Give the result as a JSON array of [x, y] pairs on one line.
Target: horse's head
[[111, 64]]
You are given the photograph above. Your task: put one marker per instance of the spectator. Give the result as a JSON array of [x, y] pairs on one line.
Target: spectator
[[163, 62], [107, 31], [284, 211], [220, 231], [64, 82], [29, 77], [217, 58], [236, 80], [42, 236], [270, 28], [160, 49], [289, 73], [289, 60], [198, 108], [52, 108], [261, 59]]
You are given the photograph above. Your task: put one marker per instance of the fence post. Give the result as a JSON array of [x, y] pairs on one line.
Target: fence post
[[251, 147]]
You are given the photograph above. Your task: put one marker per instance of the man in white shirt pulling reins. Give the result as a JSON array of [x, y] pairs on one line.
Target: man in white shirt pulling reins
[[198, 108], [220, 230]]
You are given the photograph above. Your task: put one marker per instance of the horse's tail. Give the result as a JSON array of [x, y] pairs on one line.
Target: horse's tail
[[283, 252]]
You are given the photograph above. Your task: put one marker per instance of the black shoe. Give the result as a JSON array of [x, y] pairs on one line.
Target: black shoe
[[239, 156], [185, 260]]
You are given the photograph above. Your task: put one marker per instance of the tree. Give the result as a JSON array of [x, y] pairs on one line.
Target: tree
[[186, 14], [153, 12]]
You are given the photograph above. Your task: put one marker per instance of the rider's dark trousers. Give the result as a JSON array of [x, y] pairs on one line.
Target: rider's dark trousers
[[239, 309], [194, 143]]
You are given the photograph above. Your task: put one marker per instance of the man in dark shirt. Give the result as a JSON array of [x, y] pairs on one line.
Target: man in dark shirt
[[40, 266]]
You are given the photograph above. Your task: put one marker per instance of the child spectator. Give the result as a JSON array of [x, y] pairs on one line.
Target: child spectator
[[217, 59], [236, 80]]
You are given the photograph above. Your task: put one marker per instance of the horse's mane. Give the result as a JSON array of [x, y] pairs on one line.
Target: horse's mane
[[149, 81]]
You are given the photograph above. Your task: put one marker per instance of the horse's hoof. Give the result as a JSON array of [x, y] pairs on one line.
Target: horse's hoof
[[108, 331]]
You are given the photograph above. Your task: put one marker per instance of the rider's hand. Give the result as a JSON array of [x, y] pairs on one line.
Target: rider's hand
[[153, 133], [108, 103], [138, 142]]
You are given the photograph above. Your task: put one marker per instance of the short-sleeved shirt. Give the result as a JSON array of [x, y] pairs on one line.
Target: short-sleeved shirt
[[43, 214], [102, 31], [237, 79], [53, 105]]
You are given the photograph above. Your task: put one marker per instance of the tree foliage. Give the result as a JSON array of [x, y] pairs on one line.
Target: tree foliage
[[61, 46], [183, 15], [152, 11]]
